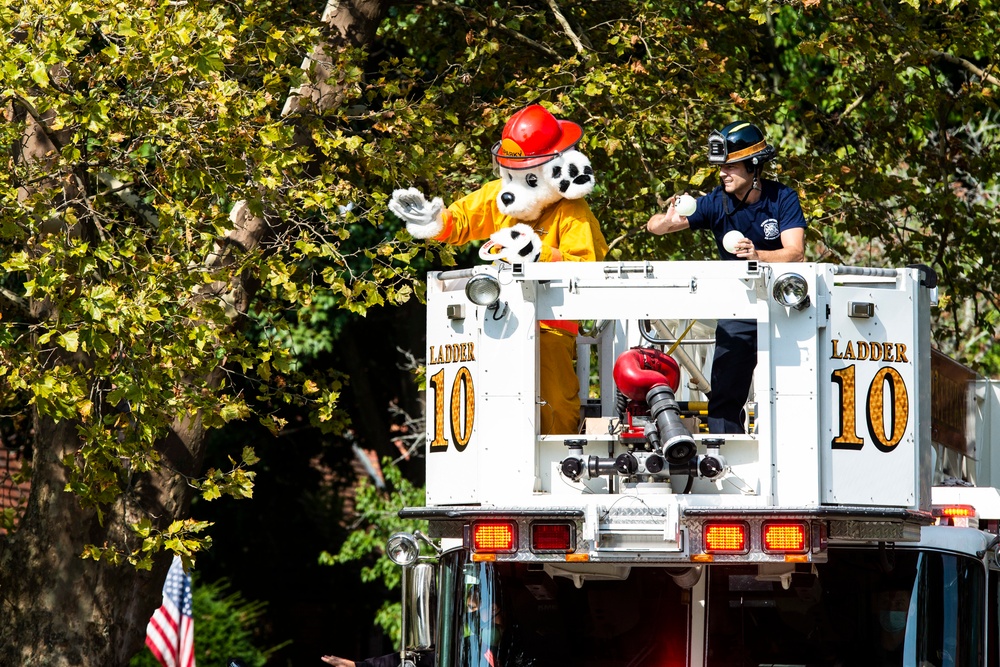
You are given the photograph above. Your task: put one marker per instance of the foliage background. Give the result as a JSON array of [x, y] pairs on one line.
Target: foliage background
[[885, 115], [225, 625]]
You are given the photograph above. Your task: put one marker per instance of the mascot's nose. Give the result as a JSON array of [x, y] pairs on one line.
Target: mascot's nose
[[507, 198]]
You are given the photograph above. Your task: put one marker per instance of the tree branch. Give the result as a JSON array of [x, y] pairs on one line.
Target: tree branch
[[132, 200], [861, 98], [14, 98], [463, 11], [565, 24], [352, 23], [962, 62], [17, 302], [955, 60]]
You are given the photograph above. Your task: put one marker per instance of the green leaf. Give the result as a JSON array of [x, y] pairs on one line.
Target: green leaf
[[40, 74], [70, 341]]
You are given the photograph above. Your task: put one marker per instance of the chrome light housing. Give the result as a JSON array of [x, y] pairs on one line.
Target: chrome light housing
[[791, 289], [483, 289], [402, 548]]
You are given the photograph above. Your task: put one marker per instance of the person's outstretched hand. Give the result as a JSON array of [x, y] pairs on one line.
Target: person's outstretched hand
[[337, 662]]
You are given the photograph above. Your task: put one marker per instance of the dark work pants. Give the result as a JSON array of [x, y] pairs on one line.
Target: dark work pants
[[732, 373]]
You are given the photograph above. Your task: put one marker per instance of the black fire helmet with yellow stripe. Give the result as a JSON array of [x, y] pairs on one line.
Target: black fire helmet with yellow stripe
[[739, 141]]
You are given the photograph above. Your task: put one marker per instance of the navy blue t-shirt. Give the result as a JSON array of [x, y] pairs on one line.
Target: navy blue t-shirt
[[762, 222]]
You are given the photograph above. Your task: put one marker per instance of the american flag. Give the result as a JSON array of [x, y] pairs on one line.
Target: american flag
[[170, 633]]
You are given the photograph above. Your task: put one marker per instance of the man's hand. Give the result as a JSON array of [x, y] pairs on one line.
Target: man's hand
[[792, 248], [337, 662], [744, 249], [669, 221], [422, 218]]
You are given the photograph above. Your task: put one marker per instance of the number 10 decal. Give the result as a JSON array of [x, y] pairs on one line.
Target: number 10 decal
[[463, 401], [886, 431]]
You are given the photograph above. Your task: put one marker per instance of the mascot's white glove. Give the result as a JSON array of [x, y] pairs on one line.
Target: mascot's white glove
[[423, 219], [572, 174], [518, 245]]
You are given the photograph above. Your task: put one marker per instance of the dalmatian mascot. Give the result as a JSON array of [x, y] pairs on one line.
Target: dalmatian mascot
[[534, 212]]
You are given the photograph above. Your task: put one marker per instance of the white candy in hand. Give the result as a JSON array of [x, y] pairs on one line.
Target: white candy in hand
[[685, 205], [730, 240]]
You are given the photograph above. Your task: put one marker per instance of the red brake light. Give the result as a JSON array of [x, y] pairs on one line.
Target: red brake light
[[494, 537], [784, 537], [552, 538], [953, 511], [726, 538], [955, 515]]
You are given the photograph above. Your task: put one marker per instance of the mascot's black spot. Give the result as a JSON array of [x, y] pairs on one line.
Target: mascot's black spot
[[581, 179], [573, 170], [526, 250], [563, 186], [556, 171], [514, 234], [588, 170]]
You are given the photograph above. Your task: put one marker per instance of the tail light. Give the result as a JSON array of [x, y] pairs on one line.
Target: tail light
[[956, 515], [784, 537], [552, 538], [494, 537], [727, 538]]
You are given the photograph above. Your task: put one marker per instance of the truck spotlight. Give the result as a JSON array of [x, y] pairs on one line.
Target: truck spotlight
[[790, 289], [402, 548], [483, 289]]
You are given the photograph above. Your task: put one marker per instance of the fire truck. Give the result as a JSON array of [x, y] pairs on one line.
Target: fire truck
[[854, 522]]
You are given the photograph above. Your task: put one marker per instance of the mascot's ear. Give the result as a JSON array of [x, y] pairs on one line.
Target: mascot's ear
[[518, 245], [571, 174]]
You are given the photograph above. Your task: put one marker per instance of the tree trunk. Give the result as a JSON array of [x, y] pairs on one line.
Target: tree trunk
[[57, 608], [352, 23]]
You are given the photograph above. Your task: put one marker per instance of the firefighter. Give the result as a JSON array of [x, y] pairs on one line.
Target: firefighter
[[766, 221], [892, 606], [535, 211]]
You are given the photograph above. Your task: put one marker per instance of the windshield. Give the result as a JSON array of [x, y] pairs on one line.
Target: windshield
[[517, 615], [864, 607]]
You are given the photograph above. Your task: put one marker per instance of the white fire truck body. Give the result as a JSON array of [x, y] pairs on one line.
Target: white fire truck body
[[824, 510]]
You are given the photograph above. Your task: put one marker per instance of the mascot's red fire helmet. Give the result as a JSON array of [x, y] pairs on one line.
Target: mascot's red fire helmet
[[533, 136], [641, 368]]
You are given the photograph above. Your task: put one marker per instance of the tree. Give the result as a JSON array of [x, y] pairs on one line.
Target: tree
[[377, 520], [127, 287], [894, 112], [137, 314], [885, 115]]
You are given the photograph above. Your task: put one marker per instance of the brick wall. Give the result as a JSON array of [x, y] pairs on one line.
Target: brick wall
[[12, 494]]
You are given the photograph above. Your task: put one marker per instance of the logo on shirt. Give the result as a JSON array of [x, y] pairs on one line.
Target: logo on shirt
[[770, 228]]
